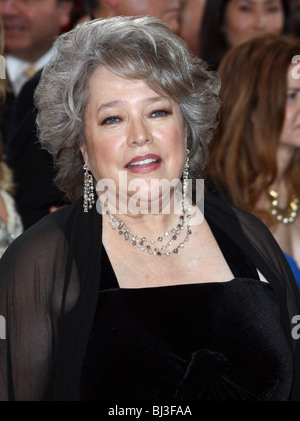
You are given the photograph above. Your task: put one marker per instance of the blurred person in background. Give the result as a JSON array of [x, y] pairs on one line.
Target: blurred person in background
[[226, 23], [255, 153], [167, 10], [191, 19], [30, 29], [10, 221]]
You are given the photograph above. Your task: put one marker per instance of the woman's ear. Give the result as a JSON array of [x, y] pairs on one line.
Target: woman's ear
[[84, 154]]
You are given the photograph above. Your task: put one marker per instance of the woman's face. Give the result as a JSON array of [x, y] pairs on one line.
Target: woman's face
[[290, 134], [247, 18], [133, 135]]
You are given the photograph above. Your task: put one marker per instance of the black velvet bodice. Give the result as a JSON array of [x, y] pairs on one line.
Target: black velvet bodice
[[211, 341]]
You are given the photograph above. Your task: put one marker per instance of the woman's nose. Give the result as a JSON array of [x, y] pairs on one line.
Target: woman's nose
[[139, 133], [259, 20]]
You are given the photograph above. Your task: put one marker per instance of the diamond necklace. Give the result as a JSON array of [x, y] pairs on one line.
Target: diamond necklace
[[287, 215], [146, 245]]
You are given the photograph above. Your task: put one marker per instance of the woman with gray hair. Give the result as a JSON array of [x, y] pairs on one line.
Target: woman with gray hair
[[137, 295]]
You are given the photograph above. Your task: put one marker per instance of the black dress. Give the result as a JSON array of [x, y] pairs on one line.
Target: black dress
[[68, 322], [189, 342]]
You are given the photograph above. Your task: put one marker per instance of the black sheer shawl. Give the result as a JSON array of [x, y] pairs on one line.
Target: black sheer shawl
[[49, 283]]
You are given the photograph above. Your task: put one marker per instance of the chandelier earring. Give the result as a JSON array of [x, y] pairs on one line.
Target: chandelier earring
[[88, 189], [185, 175]]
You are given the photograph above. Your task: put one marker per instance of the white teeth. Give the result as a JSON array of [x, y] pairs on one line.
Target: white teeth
[[145, 161]]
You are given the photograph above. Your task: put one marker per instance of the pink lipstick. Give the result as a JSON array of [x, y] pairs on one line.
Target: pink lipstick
[[144, 164]]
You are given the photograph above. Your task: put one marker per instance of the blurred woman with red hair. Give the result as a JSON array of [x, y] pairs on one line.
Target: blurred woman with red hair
[[255, 154]]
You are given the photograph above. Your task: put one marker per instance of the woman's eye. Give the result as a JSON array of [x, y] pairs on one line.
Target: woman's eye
[[274, 9], [160, 113], [111, 120], [290, 95], [243, 8]]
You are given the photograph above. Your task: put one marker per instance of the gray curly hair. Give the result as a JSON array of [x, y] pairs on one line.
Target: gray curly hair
[[134, 48]]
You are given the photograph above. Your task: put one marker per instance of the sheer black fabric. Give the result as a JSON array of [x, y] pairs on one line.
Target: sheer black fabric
[[49, 286]]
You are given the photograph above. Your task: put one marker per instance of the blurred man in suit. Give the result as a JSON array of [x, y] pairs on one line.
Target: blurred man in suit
[[30, 28]]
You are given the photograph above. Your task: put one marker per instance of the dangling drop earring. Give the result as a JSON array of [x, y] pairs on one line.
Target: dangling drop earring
[[185, 175], [88, 189]]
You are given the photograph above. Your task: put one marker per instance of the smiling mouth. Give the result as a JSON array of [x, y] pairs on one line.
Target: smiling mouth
[[143, 162]]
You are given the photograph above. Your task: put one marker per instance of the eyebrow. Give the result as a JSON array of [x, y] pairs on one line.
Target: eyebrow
[[112, 104]]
